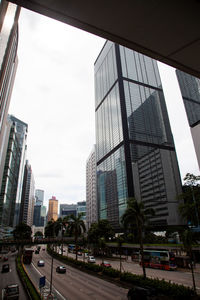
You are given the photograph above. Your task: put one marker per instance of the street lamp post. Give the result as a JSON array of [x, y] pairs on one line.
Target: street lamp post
[[51, 274]]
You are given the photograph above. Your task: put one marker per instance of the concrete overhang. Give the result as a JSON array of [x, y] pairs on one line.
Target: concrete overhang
[[164, 30]]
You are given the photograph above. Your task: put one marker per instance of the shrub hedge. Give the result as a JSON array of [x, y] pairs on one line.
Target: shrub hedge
[[31, 290], [162, 287]]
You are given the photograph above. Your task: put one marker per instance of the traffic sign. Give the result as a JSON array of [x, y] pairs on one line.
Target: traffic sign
[[42, 281]]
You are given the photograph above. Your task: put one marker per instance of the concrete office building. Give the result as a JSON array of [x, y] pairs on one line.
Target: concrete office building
[[91, 194], [9, 14], [28, 196], [134, 145], [190, 90], [53, 209]]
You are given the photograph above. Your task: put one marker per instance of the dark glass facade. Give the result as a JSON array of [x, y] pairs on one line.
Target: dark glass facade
[[135, 149], [190, 90], [10, 180]]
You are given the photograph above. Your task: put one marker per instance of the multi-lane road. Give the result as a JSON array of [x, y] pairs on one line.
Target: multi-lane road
[[179, 276], [11, 277], [74, 284]]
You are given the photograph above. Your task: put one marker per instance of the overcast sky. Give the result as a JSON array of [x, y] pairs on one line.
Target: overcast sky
[[54, 95]]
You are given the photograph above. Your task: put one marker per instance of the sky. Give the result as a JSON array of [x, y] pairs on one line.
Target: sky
[[54, 94]]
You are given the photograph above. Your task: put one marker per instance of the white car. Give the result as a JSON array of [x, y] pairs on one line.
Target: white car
[[40, 263], [91, 259]]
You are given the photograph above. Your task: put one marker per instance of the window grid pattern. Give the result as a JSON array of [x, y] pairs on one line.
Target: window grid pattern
[[151, 177], [138, 67], [146, 120], [112, 187], [108, 124], [190, 90], [105, 76]]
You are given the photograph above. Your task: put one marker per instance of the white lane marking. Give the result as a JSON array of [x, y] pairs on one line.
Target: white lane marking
[[49, 283]]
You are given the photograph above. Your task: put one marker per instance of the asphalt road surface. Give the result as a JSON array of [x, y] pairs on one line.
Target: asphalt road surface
[[74, 284], [181, 276], [11, 277]]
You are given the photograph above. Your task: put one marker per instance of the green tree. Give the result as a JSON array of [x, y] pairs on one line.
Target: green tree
[[188, 240], [190, 209], [49, 230], [137, 216], [60, 227], [38, 234], [22, 232], [76, 227], [98, 230]]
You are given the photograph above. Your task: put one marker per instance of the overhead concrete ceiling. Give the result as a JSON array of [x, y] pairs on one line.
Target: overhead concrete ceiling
[[168, 31]]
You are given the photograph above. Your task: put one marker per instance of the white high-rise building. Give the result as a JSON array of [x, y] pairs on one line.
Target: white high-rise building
[[91, 197]]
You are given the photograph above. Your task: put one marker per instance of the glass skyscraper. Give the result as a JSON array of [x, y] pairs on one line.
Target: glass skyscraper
[[10, 192], [9, 14], [134, 145], [190, 90]]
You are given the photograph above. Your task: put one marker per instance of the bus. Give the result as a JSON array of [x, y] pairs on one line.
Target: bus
[[27, 255], [71, 248], [163, 259]]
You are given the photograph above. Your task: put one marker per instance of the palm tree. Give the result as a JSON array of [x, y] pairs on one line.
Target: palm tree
[[137, 216], [120, 240], [76, 226], [102, 246], [49, 230], [188, 240]]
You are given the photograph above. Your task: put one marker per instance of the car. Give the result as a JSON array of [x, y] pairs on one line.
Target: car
[[106, 264], [91, 259], [40, 263], [5, 268], [11, 291], [61, 269], [5, 258], [79, 253]]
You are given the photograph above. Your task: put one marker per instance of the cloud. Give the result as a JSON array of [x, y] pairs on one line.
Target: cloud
[[54, 94]]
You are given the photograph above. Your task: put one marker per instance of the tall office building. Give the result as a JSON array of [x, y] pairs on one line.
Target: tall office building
[[91, 194], [39, 197], [190, 90], [67, 210], [134, 145], [28, 196], [43, 215], [9, 14], [21, 134], [11, 188], [53, 209], [37, 216], [81, 209]]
